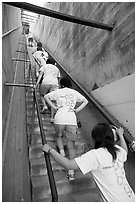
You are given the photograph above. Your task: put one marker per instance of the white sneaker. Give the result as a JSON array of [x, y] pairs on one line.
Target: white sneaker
[[44, 109], [52, 120], [71, 177]]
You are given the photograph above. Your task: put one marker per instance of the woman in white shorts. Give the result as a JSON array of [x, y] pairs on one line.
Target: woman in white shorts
[[40, 57], [65, 117], [50, 82]]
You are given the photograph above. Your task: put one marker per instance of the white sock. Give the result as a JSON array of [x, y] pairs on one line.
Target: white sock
[[70, 171]]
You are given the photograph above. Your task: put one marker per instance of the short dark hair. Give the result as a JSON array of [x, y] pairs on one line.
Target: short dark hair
[[65, 82], [39, 44], [50, 61], [103, 136], [39, 48]]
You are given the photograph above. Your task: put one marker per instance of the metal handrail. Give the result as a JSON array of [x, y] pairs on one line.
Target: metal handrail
[[47, 157], [59, 15], [10, 31]]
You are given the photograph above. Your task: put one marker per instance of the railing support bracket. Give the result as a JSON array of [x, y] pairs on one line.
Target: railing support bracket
[[22, 60], [18, 85]]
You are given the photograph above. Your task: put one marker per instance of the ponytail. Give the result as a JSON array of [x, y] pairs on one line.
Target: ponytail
[[104, 137]]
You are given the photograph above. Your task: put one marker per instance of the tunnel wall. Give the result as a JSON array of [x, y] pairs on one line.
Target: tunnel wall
[[96, 58], [15, 166], [10, 21]]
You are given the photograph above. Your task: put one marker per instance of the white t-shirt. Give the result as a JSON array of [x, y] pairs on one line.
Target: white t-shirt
[[30, 36], [51, 74], [41, 57], [66, 100], [109, 176]]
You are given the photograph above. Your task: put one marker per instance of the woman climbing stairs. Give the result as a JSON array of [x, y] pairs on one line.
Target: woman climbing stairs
[[82, 189]]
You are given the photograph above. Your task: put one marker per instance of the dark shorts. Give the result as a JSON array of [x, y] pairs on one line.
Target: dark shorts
[[46, 88], [69, 131]]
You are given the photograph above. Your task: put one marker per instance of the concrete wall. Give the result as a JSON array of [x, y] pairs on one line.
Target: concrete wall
[[94, 57], [11, 21], [15, 166], [119, 99]]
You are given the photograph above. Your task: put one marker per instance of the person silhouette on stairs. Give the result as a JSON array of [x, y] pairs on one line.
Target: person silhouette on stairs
[[65, 118]]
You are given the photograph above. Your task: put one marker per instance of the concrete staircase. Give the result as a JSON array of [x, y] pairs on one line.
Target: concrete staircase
[[83, 189]]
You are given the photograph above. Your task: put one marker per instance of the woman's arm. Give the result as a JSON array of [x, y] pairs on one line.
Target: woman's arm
[[63, 161], [122, 142], [37, 61], [83, 104], [47, 98]]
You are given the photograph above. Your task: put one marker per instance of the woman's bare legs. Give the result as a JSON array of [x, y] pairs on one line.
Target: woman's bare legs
[[72, 155], [71, 149], [43, 91], [59, 130], [44, 102], [52, 113]]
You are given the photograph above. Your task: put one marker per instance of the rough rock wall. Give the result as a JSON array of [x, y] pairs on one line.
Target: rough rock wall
[[15, 166], [10, 20], [94, 57]]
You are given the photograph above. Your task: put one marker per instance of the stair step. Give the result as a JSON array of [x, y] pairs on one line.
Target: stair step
[[29, 99], [35, 161], [47, 119], [41, 169], [29, 114], [35, 151], [50, 135], [38, 170], [64, 186], [47, 129], [36, 138], [84, 196], [29, 106], [41, 160], [29, 119], [46, 123]]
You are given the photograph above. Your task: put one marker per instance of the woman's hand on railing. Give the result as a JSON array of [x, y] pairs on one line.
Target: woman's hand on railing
[[120, 131], [46, 148]]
